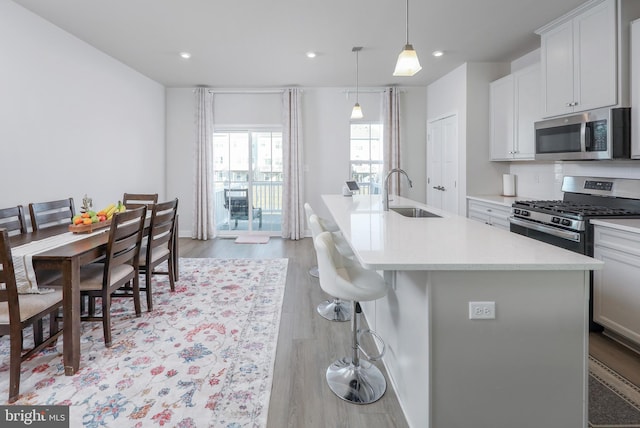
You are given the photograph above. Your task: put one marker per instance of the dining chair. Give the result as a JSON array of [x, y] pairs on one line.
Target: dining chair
[[52, 213], [13, 220], [137, 200], [159, 246], [19, 311], [120, 268]]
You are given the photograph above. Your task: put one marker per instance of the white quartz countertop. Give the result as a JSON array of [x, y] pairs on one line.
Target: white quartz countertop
[[626, 225], [386, 240]]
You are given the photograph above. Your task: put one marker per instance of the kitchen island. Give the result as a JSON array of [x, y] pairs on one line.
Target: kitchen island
[[525, 367]]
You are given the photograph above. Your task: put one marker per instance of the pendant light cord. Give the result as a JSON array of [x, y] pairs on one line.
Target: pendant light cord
[[357, 51], [407, 22]]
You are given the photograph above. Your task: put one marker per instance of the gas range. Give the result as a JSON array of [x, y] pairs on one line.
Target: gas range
[[566, 214], [565, 222]]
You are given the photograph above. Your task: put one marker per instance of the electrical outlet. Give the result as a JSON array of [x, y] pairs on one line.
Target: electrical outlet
[[482, 310]]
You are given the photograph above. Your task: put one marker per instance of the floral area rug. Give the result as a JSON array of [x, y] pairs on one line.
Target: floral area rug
[[203, 358]]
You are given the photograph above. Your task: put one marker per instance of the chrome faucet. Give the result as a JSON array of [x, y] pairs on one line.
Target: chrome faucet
[[385, 203]]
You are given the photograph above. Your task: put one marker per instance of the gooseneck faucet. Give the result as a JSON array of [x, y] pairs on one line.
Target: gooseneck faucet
[[385, 203]]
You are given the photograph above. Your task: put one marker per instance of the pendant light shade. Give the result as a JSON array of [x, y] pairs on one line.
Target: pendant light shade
[[356, 113], [408, 63]]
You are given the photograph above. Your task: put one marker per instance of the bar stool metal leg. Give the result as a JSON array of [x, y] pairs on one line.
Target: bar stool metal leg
[[352, 380], [335, 310]]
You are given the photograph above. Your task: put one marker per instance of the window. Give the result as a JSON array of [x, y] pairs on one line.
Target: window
[[250, 160], [366, 156]]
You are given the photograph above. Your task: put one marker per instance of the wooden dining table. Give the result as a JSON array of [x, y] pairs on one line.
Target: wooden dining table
[[66, 261]]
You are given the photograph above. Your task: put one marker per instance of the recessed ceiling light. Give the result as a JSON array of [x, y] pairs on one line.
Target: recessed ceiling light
[[311, 54], [185, 55], [437, 53]]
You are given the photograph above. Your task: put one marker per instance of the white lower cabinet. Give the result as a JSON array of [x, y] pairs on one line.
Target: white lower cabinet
[[616, 297], [493, 214]]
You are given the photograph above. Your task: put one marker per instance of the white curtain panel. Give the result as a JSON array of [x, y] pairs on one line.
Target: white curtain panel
[[292, 198], [203, 189], [391, 136]]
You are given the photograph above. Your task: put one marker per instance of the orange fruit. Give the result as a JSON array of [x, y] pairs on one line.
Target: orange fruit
[[87, 221], [78, 220]]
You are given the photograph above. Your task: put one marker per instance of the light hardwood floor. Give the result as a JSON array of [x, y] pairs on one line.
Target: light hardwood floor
[[307, 344], [620, 358]]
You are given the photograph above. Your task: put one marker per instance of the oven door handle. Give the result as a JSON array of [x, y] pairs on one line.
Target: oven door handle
[[564, 234]]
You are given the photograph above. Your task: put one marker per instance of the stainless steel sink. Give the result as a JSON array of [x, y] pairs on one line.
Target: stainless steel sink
[[413, 212]]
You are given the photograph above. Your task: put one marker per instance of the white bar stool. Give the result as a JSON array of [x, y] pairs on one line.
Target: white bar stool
[[333, 309], [326, 225], [350, 378]]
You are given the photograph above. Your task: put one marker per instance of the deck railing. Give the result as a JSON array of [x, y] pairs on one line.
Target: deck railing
[[266, 195]]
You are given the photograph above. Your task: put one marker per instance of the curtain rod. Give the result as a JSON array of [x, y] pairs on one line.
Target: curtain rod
[[246, 91]]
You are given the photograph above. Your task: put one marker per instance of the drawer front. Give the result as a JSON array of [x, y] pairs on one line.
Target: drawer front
[[492, 214], [617, 240]]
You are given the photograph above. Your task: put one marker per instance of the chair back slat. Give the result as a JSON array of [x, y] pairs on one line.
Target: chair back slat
[[137, 200], [125, 237], [14, 220], [162, 224], [52, 213]]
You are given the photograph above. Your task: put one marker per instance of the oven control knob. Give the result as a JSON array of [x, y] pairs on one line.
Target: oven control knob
[[525, 213], [566, 222], [516, 211], [555, 220]]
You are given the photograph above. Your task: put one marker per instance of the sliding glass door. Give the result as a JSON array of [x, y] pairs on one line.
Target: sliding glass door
[[248, 181]]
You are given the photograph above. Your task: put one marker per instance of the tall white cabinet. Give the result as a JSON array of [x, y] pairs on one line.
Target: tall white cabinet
[[514, 108], [579, 60], [585, 57]]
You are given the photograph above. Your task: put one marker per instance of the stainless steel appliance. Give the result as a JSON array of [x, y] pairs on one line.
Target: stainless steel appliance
[[597, 134], [566, 223]]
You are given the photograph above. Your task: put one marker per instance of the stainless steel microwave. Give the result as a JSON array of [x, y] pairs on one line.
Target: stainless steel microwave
[[596, 134]]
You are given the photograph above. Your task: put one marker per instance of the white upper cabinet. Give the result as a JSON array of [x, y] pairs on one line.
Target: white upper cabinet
[[515, 106], [579, 60]]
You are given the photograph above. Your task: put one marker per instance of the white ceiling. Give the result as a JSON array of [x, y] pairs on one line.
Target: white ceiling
[[262, 43]]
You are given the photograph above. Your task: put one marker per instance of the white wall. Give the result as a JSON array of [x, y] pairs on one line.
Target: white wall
[[74, 120], [543, 180], [325, 122]]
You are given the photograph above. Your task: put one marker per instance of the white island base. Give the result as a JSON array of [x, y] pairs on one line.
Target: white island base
[[525, 368]]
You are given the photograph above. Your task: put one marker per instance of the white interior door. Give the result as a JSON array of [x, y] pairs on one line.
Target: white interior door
[[442, 163]]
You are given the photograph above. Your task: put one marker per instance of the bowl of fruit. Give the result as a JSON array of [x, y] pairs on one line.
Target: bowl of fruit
[[89, 221]]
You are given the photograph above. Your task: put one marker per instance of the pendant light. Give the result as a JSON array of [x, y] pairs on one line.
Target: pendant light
[[356, 113], [408, 63]]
